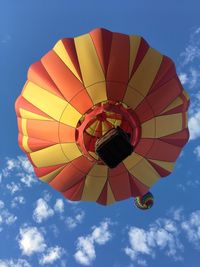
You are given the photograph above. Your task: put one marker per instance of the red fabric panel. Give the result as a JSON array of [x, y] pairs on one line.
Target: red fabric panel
[[143, 48], [166, 72], [71, 174], [46, 170], [38, 75], [71, 50], [163, 151], [162, 172], [102, 40], [178, 139], [103, 196], [75, 192], [137, 188], [118, 178]]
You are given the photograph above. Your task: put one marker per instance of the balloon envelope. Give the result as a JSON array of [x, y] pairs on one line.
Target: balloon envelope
[[86, 86]]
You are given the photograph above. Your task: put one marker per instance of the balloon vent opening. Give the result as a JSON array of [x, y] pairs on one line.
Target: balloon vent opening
[[113, 147]]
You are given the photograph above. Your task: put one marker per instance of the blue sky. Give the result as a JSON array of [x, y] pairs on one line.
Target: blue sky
[[40, 228]]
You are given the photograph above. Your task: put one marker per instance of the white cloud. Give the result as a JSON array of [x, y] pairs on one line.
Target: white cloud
[[42, 211], [197, 152], [51, 255], [6, 218], [14, 263], [18, 200], [183, 78], [192, 50], [19, 167], [194, 125], [13, 187], [162, 235], [85, 249], [73, 222], [31, 241], [59, 205], [27, 179], [2, 205], [192, 228]]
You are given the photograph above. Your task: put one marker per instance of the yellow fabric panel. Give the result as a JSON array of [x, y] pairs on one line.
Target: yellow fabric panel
[[32, 116], [164, 164], [168, 124], [177, 102], [94, 183], [132, 160], [25, 144], [71, 151], [115, 122], [97, 92], [110, 196], [70, 116], [134, 45], [50, 176], [92, 128], [49, 156], [60, 50], [53, 105], [149, 129], [105, 128], [132, 97], [145, 74], [186, 118], [94, 155], [90, 66], [24, 127], [25, 136], [145, 173]]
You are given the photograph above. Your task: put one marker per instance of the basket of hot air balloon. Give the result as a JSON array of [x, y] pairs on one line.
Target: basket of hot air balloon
[[102, 117]]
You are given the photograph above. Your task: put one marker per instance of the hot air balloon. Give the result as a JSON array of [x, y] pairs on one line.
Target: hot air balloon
[[102, 117]]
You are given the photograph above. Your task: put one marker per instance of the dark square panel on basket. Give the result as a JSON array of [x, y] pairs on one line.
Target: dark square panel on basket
[[113, 147]]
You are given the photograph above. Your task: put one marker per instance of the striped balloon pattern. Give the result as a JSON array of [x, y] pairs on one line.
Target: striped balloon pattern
[[82, 88], [144, 202]]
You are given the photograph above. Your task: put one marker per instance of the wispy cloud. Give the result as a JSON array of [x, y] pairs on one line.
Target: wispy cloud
[[197, 152], [14, 263], [73, 222], [51, 255], [6, 217], [166, 236], [85, 248]]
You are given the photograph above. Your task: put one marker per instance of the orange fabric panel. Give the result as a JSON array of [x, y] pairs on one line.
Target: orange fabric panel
[[71, 174], [102, 41], [38, 75], [118, 178], [82, 101], [71, 50], [44, 130], [64, 79], [66, 134], [37, 144]]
